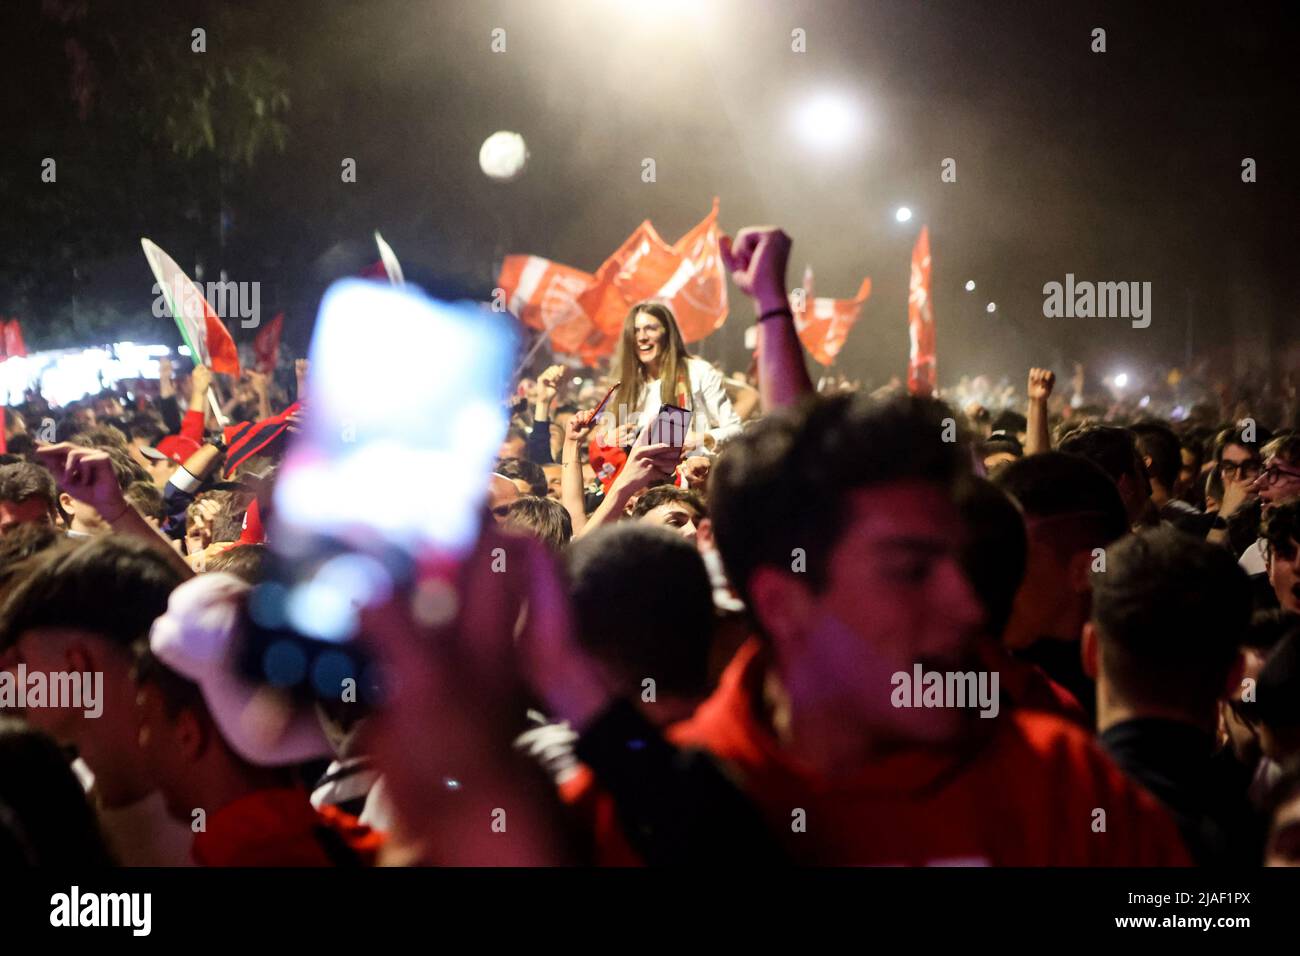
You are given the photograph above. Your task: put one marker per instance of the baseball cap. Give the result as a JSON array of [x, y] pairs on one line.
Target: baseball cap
[[174, 447], [197, 637]]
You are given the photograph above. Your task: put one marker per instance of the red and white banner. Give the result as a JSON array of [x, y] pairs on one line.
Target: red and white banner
[[584, 312], [202, 329], [823, 324], [921, 375]]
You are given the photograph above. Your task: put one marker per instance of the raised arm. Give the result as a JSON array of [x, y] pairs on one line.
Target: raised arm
[[757, 261], [1038, 438], [87, 475]]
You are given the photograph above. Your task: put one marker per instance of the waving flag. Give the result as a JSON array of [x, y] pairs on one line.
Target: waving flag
[[584, 312], [823, 324], [392, 268], [200, 327], [266, 345], [921, 375]]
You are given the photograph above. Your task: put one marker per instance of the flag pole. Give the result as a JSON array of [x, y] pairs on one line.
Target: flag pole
[[532, 351], [222, 420]]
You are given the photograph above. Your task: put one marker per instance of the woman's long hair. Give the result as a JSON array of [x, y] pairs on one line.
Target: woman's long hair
[[675, 384]]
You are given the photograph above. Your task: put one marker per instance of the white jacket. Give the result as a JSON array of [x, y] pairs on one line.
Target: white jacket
[[711, 411]]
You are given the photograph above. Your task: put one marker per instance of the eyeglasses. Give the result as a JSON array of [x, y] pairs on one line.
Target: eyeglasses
[[1247, 469], [1275, 473]]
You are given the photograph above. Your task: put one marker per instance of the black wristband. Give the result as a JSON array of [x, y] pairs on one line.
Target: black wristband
[[773, 313]]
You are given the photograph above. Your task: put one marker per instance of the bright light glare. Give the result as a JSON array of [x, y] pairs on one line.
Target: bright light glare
[[67, 375], [903, 214], [991, 307], [828, 121], [503, 155], [970, 285], [1121, 380]]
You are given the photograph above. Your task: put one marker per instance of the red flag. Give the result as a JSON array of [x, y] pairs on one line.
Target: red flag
[[222, 354], [921, 375], [13, 344], [266, 345], [584, 312], [698, 290], [823, 324]]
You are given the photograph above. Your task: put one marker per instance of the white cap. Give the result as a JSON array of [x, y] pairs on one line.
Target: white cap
[[197, 638]]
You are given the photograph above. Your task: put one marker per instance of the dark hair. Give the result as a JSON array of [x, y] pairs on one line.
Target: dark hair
[[177, 691], [662, 495], [1011, 422], [995, 549], [1054, 484], [19, 546], [999, 442], [515, 433], [147, 498], [228, 524], [23, 480], [544, 518], [101, 436], [21, 445], [43, 805], [524, 470], [1110, 447], [108, 585], [1267, 628], [1277, 690], [1158, 442], [1233, 435], [146, 427], [1281, 526], [643, 606], [1171, 611], [784, 483], [244, 561]]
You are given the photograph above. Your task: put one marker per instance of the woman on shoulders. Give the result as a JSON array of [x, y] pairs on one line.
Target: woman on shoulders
[[654, 368]]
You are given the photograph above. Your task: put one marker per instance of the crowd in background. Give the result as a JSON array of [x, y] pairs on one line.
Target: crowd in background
[[696, 648]]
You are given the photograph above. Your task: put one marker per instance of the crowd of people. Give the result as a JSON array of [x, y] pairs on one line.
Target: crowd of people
[[816, 625]]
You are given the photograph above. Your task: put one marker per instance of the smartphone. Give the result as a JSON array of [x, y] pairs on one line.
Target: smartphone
[[389, 471], [669, 427]]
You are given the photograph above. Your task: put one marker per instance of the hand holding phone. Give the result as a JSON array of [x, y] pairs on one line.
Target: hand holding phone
[[668, 427]]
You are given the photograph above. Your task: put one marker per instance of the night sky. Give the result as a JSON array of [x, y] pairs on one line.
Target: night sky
[[1115, 166]]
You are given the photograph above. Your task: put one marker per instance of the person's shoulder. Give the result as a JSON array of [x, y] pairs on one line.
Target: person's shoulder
[[1069, 756], [1050, 735], [702, 370], [1064, 764]]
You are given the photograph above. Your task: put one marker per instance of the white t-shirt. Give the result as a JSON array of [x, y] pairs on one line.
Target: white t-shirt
[[1252, 559], [141, 833]]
